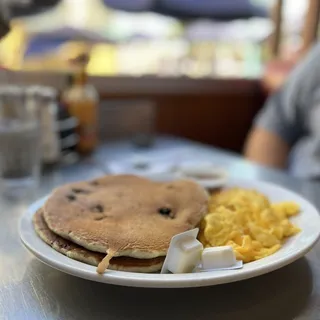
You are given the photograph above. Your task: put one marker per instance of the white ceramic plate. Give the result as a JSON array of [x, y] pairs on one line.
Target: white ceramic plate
[[308, 220]]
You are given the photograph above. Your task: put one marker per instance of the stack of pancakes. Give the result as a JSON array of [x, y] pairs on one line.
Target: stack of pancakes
[[120, 222]]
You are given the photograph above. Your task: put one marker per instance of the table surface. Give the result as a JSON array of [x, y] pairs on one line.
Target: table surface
[[30, 289]]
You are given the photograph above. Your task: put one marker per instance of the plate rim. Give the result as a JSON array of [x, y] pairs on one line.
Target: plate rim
[[88, 272]]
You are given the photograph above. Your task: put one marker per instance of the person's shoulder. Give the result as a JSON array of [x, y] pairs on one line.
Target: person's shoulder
[[315, 48], [305, 76], [311, 58]]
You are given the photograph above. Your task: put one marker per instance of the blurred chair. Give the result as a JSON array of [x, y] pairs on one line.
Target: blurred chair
[[277, 70]]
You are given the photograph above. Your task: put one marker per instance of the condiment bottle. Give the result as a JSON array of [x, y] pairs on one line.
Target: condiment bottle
[[82, 100]]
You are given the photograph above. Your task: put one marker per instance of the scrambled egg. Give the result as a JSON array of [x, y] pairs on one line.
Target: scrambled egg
[[247, 221]]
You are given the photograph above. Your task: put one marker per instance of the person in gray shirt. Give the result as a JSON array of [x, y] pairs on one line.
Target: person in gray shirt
[[286, 131]]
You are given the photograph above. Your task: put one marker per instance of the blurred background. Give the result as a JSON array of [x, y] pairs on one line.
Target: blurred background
[[196, 69]]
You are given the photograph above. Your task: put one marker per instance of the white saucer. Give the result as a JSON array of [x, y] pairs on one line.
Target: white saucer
[[308, 220], [207, 175]]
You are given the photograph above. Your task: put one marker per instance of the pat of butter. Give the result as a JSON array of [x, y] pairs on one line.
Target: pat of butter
[[184, 253], [218, 257]]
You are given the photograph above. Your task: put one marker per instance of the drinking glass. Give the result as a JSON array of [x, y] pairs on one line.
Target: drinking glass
[[19, 142]]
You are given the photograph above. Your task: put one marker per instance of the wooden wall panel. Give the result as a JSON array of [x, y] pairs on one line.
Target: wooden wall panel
[[220, 120], [220, 117]]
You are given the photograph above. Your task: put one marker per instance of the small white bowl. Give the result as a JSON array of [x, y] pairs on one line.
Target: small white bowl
[[209, 176]]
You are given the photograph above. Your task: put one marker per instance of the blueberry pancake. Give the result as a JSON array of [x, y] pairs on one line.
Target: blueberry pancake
[[125, 215]]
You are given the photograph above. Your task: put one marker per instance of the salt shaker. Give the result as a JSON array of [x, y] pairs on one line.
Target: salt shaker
[[45, 99]]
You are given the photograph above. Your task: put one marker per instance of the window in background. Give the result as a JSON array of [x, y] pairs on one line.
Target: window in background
[[149, 43], [293, 22]]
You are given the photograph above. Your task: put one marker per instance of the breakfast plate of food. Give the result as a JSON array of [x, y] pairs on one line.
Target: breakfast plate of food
[[168, 231]]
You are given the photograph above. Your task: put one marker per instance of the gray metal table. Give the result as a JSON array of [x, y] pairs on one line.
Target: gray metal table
[[31, 290]]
